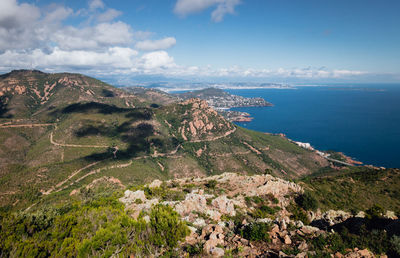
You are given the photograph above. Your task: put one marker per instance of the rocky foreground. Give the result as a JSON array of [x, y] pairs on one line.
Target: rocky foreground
[[229, 214]]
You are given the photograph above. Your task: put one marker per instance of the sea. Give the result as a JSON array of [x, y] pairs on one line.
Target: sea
[[362, 120]]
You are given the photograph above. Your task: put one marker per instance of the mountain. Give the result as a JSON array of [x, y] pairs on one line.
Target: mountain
[[60, 131], [87, 169]]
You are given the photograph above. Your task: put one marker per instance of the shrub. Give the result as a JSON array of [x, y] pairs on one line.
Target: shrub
[[211, 184], [257, 231], [374, 212], [264, 211], [298, 214], [307, 201], [167, 227], [395, 242], [194, 249]]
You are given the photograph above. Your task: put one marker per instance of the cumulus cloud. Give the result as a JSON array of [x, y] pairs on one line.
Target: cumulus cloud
[[151, 45], [31, 37], [157, 60], [222, 7], [108, 15], [102, 35]]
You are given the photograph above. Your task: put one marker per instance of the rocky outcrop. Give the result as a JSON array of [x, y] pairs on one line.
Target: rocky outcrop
[[204, 124], [213, 204]]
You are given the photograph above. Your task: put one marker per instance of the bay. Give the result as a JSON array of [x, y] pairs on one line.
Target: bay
[[362, 121]]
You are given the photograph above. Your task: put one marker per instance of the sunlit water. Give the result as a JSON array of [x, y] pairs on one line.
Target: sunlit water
[[362, 121]]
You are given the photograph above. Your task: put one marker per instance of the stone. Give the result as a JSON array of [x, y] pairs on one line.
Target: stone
[[130, 197], [245, 242], [299, 224], [365, 253], [224, 205], [338, 255], [214, 215], [308, 230], [287, 240], [212, 243], [303, 246], [192, 229], [302, 255], [283, 225], [192, 202], [217, 252], [199, 222], [146, 218], [218, 229], [274, 230], [155, 183]]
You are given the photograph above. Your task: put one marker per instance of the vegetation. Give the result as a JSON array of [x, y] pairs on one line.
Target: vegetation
[[257, 231], [307, 201], [355, 189], [96, 228]]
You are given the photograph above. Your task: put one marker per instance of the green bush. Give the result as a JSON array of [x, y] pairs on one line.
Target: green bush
[[374, 212], [298, 214], [257, 231], [395, 242], [263, 211], [195, 249], [307, 201], [168, 228], [211, 184], [99, 228]]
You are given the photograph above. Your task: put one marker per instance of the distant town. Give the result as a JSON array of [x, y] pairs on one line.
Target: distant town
[[222, 101]]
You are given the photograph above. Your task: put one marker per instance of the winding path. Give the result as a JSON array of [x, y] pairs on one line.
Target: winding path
[[217, 137], [74, 145], [23, 125]]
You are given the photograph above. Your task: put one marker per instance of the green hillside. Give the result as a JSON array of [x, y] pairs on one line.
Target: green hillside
[[85, 129]]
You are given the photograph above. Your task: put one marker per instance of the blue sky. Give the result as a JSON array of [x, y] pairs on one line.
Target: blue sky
[[265, 40]]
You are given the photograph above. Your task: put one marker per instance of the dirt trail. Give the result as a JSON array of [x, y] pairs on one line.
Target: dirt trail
[[74, 145], [252, 148], [68, 178], [217, 137], [23, 125]]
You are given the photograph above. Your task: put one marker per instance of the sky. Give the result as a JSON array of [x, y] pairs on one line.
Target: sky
[[234, 40]]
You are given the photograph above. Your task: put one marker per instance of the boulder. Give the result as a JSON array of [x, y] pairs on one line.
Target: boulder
[[155, 183], [287, 240], [130, 197], [199, 222], [214, 215], [217, 252], [365, 253], [192, 202], [224, 205], [212, 243], [308, 230]]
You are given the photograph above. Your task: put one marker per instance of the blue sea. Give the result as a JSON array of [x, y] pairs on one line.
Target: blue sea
[[362, 121]]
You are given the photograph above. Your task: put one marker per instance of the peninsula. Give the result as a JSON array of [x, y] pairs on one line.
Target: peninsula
[[222, 101]]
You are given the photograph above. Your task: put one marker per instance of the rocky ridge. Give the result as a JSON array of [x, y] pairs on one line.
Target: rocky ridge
[[204, 121], [215, 206]]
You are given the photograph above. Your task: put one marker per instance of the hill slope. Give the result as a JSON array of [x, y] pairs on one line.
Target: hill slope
[[84, 129]]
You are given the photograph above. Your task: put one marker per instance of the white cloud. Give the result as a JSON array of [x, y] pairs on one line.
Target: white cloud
[[108, 15], [151, 45], [31, 37], [113, 57], [223, 7], [102, 35], [156, 60], [96, 4]]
